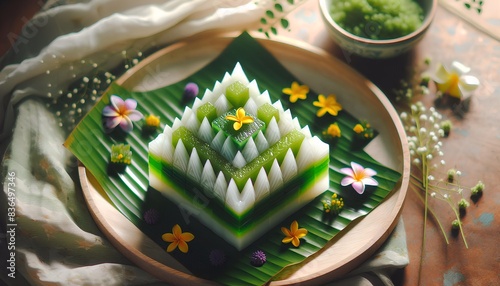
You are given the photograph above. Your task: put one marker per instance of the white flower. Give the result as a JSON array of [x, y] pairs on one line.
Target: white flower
[[403, 115], [453, 80]]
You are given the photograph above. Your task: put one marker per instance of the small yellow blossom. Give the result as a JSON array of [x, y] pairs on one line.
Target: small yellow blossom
[[152, 120], [334, 205], [294, 234], [296, 91], [327, 104], [333, 130], [358, 128], [177, 239], [240, 118]]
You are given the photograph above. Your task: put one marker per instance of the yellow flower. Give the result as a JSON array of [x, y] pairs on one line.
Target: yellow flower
[[294, 234], [152, 120], [333, 130], [177, 239], [296, 91], [327, 104], [358, 128], [240, 118]]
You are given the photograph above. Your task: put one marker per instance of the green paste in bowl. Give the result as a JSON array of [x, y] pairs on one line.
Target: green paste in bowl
[[377, 19]]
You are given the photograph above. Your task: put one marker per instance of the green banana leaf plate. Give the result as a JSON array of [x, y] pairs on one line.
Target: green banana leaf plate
[[333, 246]]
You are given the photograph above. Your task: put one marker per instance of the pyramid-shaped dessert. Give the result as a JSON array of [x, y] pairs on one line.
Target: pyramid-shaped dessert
[[238, 162]]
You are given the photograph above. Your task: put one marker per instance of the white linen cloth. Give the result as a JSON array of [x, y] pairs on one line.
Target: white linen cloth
[[57, 241]]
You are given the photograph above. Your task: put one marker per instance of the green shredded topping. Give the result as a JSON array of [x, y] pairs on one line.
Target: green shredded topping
[[377, 19]]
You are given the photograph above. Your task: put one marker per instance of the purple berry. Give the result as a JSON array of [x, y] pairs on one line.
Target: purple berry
[[190, 91], [258, 258]]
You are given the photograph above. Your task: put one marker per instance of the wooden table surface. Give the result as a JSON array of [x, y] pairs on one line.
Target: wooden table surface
[[473, 146]]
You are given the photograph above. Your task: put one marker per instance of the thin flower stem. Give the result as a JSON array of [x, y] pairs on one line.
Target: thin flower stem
[[425, 177], [426, 184], [459, 222], [437, 187], [434, 215]]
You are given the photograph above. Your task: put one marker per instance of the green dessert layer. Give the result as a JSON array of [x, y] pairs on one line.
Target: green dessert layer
[[239, 229], [172, 175]]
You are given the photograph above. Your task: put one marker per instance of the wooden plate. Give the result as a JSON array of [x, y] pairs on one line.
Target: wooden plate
[[324, 74]]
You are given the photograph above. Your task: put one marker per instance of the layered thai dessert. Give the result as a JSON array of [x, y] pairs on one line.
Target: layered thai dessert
[[238, 162]]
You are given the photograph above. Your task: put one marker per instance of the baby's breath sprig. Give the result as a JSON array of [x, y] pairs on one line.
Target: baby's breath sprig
[[425, 129]]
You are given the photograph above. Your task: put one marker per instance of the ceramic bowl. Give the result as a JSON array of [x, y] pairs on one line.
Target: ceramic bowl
[[376, 49]]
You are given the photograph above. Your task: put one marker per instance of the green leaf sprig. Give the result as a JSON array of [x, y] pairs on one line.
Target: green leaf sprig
[[274, 17]]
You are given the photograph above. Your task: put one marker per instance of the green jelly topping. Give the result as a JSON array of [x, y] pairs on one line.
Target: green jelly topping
[[121, 154], [266, 112], [278, 151], [206, 110], [241, 136], [237, 94]]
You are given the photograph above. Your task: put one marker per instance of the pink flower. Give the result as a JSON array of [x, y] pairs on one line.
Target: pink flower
[[121, 113], [358, 177]]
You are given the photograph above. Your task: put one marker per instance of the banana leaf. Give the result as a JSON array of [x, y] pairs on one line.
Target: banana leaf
[[131, 195]]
